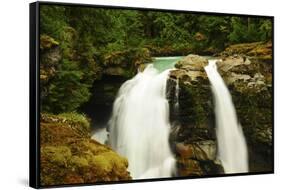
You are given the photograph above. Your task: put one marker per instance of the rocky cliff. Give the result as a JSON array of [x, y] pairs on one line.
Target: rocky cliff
[[249, 79], [193, 133], [250, 83]]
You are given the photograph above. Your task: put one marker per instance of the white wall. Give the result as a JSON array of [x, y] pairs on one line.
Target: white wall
[[14, 92]]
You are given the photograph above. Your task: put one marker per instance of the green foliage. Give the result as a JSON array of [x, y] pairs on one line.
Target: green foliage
[[52, 20], [105, 30], [89, 37], [216, 29], [265, 29], [66, 91], [78, 119], [246, 29]]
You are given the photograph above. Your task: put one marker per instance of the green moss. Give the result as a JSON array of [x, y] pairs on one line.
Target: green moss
[[67, 157], [59, 155], [94, 147], [76, 118], [79, 162], [195, 104], [47, 42], [78, 122]]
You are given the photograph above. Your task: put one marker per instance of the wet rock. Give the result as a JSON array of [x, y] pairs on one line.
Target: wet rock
[[200, 150], [192, 136], [188, 167]]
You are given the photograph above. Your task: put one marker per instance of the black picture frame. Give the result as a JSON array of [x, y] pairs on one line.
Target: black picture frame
[[34, 92]]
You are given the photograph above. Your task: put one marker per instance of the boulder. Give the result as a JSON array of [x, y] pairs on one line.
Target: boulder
[[192, 63]]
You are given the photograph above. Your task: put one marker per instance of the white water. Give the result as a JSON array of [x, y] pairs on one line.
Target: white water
[[232, 148], [100, 135], [139, 126]]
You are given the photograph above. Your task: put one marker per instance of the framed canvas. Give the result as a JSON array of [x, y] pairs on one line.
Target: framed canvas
[[121, 94]]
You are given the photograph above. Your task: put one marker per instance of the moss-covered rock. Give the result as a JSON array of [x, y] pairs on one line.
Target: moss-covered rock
[[47, 42], [125, 63], [78, 123], [118, 66], [193, 134], [193, 88], [50, 56], [261, 50], [69, 156]]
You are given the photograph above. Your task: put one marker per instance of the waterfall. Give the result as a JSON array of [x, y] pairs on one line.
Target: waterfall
[[100, 135], [139, 125], [232, 148]]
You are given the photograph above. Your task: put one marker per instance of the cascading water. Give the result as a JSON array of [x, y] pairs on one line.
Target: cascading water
[[232, 148], [100, 135], [139, 126]]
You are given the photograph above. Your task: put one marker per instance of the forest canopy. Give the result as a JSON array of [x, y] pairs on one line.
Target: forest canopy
[[116, 29], [89, 37]]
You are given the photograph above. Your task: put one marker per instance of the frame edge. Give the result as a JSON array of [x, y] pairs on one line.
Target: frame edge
[[34, 178]]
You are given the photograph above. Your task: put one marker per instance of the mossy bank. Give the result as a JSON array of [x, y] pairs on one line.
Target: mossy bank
[[68, 155]]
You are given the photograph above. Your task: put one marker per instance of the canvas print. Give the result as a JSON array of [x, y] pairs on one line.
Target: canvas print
[[142, 94]]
